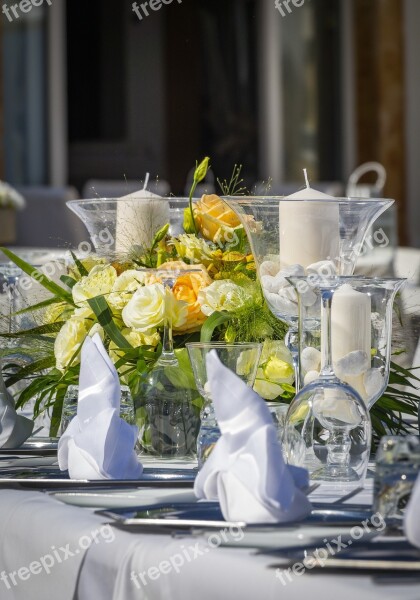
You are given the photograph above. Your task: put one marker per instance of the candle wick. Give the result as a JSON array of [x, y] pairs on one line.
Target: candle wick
[[146, 181], [306, 178]]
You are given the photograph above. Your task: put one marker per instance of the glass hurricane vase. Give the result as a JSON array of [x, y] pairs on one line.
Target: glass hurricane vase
[[291, 237]]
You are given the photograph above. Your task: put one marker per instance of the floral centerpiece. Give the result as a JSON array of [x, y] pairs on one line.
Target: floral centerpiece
[[221, 300], [10, 202]]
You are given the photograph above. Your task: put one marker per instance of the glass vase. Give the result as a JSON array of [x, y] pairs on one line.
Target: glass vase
[[292, 237], [345, 345]]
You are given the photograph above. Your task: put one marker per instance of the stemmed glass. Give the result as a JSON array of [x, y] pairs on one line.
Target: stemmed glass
[[299, 237], [240, 357]]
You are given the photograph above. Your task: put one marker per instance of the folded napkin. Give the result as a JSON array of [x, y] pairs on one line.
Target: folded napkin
[[14, 429], [98, 444], [412, 516], [246, 471]]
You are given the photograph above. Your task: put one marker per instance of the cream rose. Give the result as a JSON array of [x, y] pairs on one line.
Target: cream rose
[[124, 288], [99, 282], [221, 295], [274, 371], [68, 341], [146, 309]]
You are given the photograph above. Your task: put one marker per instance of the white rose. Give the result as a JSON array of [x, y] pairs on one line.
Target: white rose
[[68, 341], [99, 282], [146, 309], [124, 287], [221, 295]]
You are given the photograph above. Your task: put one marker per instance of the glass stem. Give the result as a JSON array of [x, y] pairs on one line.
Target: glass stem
[[292, 343], [339, 449], [326, 350], [168, 356]]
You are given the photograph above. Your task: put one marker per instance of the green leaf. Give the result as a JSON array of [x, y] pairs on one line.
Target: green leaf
[[80, 267], [38, 365], [104, 315], [57, 410], [36, 331], [182, 376], [39, 306], [68, 281], [47, 283], [216, 319]]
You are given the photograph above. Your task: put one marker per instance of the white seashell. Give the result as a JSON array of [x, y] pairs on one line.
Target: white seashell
[[353, 364], [374, 382], [308, 298], [310, 377], [310, 359]]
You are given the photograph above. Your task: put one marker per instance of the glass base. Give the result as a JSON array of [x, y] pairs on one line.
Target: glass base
[[334, 473]]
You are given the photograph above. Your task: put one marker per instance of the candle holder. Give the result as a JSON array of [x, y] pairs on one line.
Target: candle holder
[[345, 349], [119, 226], [298, 237]]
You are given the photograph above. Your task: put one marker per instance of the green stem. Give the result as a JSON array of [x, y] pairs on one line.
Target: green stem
[[193, 188]]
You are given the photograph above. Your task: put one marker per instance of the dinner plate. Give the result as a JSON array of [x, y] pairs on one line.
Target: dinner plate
[[127, 499], [34, 447]]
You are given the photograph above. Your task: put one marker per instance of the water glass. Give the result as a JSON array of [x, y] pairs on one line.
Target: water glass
[[242, 359], [397, 468], [70, 407]]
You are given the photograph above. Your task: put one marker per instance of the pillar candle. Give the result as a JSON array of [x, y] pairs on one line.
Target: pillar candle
[[309, 231], [351, 332], [139, 216]]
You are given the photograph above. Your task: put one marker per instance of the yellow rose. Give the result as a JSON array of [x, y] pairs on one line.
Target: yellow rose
[[146, 309], [194, 249], [69, 341], [275, 369], [124, 287], [187, 288], [99, 282], [221, 295], [214, 219]]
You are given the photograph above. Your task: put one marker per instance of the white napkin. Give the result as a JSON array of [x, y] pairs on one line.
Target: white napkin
[[14, 429], [98, 444], [412, 516], [246, 471]]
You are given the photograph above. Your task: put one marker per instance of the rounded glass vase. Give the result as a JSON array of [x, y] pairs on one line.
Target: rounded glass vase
[[345, 326]]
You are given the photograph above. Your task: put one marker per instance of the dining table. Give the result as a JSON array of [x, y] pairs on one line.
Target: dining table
[[152, 539]]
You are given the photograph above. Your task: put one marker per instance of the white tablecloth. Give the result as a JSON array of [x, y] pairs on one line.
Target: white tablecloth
[[120, 565]]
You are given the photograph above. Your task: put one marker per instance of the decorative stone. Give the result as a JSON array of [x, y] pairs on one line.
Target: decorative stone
[[310, 377], [269, 267], [323, 268], [373, 381], [310, 359], [353, 364]]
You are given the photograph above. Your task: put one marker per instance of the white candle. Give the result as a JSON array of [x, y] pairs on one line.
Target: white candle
[[139, 216], [309, 231], [351, 336]]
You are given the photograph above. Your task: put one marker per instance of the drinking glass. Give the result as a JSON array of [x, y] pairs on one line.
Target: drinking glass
[[242, 359], [397, 469]]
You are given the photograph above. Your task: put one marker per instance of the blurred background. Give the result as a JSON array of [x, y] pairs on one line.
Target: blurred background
[[92, 96]]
